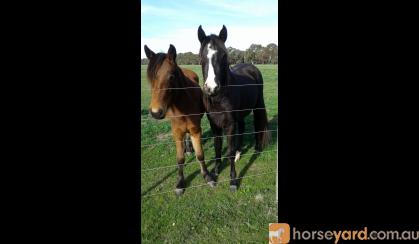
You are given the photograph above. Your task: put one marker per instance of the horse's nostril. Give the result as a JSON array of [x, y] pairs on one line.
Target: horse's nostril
[[157, 114]]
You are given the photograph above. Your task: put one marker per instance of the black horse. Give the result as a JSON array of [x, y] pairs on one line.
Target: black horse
[[229, 96]]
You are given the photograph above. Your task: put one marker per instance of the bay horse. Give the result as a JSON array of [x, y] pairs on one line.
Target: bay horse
[[173, 96], [238, 91]]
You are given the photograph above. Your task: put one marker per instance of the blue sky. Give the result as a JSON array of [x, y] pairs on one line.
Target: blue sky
[[165, 22]]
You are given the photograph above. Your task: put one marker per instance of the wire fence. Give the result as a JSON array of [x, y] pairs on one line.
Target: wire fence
[[201, 185], [218, 112], [196, 87], [214, 159], [148, 118], [206, 138]]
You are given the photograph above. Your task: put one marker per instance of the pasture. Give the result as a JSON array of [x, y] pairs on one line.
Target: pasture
[[203, 214]]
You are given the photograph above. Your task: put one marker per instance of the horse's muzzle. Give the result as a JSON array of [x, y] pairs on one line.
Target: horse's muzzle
[[157, 115], [209, 91]]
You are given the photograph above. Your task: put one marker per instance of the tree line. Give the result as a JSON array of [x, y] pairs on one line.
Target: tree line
[[256, 54]]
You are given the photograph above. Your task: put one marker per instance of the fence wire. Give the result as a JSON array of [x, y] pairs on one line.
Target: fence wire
[[205, 161], [221, 181], [205, 138], [196, 87], [218, 112]]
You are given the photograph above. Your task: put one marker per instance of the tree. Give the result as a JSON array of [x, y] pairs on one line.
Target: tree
[[144, 61], [255, 54], [273, 53], [235, 55], [187, 58]]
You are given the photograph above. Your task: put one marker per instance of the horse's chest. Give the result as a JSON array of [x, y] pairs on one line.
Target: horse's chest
[[221, 117], [219, 111]]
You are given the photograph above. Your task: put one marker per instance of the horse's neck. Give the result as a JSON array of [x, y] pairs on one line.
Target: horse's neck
[[229, 78], [219, 102], [183, 96], [182, 78], [222, 100]]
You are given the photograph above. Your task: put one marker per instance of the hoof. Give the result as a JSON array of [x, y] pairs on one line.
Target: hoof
[[179, 192], [211, 184], [233, 188], [237, 158]]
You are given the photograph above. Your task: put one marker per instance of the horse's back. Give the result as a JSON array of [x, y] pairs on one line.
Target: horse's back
[[191, 75], [247, 74], [248, 89]]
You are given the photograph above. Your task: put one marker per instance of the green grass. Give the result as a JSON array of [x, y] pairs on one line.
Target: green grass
[[204, 214]]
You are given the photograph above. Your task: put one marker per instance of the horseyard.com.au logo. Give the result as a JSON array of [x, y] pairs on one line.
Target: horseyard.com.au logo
[[279, 233]]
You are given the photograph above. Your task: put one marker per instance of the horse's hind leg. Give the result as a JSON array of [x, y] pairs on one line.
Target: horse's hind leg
[[240, 125], [196, 143], [180, 158]]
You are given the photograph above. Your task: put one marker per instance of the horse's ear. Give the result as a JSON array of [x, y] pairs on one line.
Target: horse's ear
[[148, 52], [201, 34], [223, 34], [172, 52]]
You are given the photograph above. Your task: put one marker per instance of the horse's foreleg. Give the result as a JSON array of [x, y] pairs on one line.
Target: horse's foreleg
[[230, 153], [180, 158], [197, 146], [218, 143]]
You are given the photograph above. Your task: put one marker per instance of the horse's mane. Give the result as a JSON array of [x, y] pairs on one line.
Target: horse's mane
[[154, 65]]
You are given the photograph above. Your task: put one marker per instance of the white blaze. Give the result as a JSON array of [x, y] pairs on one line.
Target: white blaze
[[210, 82]]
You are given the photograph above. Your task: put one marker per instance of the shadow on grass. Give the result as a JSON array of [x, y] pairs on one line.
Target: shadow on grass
[[273, 125], [159, 182], [206, 134], [223, 165], [272, 122], [144, 111], [192, 176]]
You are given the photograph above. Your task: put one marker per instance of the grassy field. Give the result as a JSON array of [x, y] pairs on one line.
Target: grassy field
[[203, 214]]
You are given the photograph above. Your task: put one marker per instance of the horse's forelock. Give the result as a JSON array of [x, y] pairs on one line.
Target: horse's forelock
[[154, 66], [213, 40]]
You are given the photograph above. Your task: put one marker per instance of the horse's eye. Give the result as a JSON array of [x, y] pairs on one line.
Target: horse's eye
[[171, 77]]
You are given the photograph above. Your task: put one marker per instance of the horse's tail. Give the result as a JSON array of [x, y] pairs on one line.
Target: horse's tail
[[262, 135], [260, 120]]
